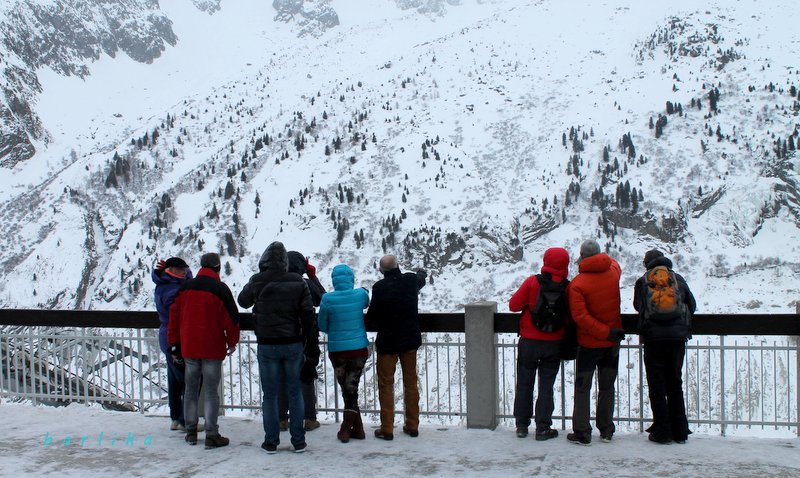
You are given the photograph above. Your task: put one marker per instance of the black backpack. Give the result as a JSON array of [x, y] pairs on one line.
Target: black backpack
[[551, 305]]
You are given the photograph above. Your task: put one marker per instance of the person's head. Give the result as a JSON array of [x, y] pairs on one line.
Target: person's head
[[342, 277], [556, 261], [211, 261], [275, 257], [297, 262], [176, 267], [387, 263], [589, 248], [650, 256]]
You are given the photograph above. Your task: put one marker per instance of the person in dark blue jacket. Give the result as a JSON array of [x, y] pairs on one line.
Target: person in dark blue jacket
[[168, 277], [341, 316]]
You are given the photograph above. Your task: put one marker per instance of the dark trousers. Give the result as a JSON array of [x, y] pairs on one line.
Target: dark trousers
[[533, 356], [176, 387], [348, 374], [663, 362], [309, 390], [606, 361]]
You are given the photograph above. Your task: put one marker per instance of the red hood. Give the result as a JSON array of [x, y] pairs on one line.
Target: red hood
[[208, 272], [556, 262], [596, 263]]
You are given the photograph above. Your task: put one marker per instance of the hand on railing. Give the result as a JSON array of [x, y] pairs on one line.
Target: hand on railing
[[231, 350]]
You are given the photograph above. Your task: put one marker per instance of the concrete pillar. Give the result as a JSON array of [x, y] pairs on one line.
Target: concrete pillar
[[481, 365]]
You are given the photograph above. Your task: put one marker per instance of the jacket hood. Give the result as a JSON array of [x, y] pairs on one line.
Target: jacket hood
[[274, 258], [297, 262], [596, 263], [343, 277], [208, 272], [659, 261], [556, 261]]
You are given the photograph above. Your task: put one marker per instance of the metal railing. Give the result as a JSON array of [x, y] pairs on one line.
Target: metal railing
[[732, 385]]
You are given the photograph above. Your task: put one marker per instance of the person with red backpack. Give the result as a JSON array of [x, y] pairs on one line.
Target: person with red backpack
[[665, 305], [543, 302]]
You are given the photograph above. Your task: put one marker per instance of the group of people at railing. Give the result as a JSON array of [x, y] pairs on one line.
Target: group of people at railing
[[580, 319], [200, 326], [561, 320]]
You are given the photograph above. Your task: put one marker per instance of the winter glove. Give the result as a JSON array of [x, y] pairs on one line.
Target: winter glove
[[309, 372], [161, 265], [175, 352], [615, 335], [311, 270]]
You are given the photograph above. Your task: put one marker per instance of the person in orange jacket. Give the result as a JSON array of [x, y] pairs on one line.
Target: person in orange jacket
[[594, 303]]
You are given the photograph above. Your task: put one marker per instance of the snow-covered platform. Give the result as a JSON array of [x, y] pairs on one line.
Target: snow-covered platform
[[111, 444]]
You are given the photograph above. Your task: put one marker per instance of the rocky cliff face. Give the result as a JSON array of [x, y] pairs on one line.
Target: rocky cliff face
[[65, 36]]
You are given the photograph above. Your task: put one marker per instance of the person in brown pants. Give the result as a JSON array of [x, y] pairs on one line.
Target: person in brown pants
[[393, 313]]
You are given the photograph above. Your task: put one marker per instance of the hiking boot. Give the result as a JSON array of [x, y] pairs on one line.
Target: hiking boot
[[410, 432], [546, 434], [579, 439], [283, 425], [191, 437], [176, 426], [660, 441], [606, 437], [310, 424], [680, 442], [383, 435], [300, 447], [269, 448], [358, 428], [215, 440], [522, 432]]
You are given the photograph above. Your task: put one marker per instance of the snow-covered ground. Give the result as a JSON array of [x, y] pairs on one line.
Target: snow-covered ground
[[153, 450]]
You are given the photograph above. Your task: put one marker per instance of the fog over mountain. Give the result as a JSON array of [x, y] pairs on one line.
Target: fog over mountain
[[464, 136]]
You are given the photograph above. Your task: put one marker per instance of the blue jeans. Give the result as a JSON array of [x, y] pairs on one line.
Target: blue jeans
[[272, 359], [210, 372], [176, 385]]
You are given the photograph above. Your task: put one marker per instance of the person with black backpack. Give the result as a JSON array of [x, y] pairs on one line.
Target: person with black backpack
[[545, 312], [665, 305]]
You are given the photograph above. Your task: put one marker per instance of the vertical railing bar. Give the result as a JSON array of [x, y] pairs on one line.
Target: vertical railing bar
[[84, 371], [141, 369], [723, 402], [641, 387], [761, 382], [736, 379], [775, 381], [563, 395], [749, 387]]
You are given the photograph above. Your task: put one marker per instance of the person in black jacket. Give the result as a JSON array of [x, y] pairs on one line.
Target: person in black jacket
[[300, 265], [664, 351], [393, 313], [288, 340]]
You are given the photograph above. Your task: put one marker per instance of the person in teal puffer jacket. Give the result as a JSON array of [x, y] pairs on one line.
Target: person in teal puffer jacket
[[341, 317]]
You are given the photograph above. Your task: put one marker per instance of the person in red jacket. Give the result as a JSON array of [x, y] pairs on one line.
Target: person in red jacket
[[594, 303], [203, 328], [537, 350]]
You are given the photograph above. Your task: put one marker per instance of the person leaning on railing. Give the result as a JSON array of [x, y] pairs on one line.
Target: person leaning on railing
[[168, 276], [393, 313], [341, 316], [594, 303]]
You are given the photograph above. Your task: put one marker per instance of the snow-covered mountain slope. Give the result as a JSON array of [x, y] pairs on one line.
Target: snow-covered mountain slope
[[466, 138]]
